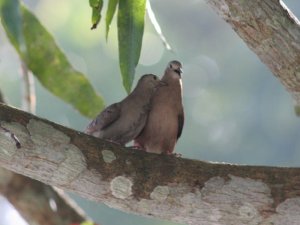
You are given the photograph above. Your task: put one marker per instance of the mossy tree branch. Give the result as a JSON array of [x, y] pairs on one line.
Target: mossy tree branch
[[166, 187]]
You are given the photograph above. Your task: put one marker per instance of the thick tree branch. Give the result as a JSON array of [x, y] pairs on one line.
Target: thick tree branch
[[166, 187], [271, 31], [38, 203]]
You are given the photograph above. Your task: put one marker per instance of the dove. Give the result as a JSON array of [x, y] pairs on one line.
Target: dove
[[166, 118], [121, 122]]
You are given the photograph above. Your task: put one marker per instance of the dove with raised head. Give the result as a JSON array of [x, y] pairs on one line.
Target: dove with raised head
[[166, 118]]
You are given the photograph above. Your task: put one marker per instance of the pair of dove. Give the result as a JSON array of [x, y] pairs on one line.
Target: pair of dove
[[151, 115]]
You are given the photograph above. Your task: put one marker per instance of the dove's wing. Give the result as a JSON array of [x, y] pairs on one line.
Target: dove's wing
[[180, 123], [105, 118]]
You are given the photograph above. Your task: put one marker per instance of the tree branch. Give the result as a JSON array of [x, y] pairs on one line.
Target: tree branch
[[166, 187], [271, 31], [38, 203]]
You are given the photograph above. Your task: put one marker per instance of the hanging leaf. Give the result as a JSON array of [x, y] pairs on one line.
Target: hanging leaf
[[94, 3], [49, 65], [111, 8], [130, 34], [11, 19], [96, 12]]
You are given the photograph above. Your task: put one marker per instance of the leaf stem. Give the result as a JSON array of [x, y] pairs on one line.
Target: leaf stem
[[28, 96]]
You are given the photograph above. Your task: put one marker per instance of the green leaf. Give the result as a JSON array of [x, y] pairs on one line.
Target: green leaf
[[11, 19], [94, 3], [130, 34], [96, 12], [51, 67], [111, 8]]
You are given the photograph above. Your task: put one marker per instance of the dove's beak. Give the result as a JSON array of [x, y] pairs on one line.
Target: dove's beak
[[179, 71]]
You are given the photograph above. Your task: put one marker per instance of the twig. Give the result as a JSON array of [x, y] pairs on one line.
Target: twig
[[29, 99], [156, 25]]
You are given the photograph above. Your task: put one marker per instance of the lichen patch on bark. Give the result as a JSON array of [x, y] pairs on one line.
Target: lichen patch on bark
[[121, 187], [44, 134], [287, 213], [160, 193], [108, 156]]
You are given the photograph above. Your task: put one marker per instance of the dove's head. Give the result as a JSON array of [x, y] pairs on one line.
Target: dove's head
[[174, 69], [149, 82]]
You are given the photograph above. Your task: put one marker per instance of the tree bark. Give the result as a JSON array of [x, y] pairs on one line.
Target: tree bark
[[166, 187], [271, 31], [38, 203]]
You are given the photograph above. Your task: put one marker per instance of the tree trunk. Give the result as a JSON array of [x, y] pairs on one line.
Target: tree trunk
[[271, 31], [166, 187]]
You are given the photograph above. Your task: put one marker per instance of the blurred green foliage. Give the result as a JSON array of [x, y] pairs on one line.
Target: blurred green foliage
[[131, 15], [130, 35], [96, 12], [12, 21], [111, 9], [47, 62]]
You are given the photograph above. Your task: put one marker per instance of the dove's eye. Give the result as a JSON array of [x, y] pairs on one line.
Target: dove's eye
[[154, 77], [170, 66]]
